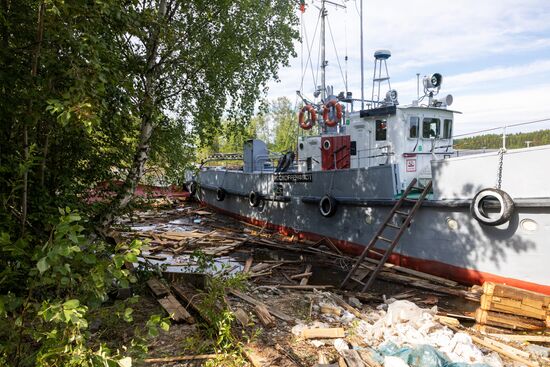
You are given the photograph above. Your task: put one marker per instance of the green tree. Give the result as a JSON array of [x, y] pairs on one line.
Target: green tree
[[104, 91], [285, 125]]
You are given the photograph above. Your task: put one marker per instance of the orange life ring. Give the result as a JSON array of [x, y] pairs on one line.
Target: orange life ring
[[334, 103], [307, 124]]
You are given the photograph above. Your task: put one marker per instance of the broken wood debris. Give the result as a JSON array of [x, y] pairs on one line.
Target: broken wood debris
[[176, 311], [508, 307], [180, 358], [322, 333]]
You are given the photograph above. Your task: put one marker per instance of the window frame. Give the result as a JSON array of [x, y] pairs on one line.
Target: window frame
[[447, 133], [377, 130], [438, 127], [417, 128]]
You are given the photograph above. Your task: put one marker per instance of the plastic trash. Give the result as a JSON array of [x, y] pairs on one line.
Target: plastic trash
[[340, 344], [421, 356]]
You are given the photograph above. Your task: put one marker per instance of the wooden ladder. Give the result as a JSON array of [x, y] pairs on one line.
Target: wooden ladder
[[397, 210]]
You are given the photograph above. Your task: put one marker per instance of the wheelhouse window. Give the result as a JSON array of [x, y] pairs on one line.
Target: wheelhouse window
[[414, 123], [447, 129], [430, 128], [381, 130]]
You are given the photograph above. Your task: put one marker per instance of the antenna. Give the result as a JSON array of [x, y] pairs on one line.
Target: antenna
[[380, 58]]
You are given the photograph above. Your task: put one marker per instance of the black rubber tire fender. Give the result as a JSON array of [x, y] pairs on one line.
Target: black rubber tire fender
[[327, 206], [254, 199], [220, 194], [507, 207], [192, 188]]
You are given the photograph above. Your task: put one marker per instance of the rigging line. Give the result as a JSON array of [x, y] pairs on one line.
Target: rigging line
[[502, 127], [346, 45], [310, 47], [302, 52], [318, 53], [336, 52]]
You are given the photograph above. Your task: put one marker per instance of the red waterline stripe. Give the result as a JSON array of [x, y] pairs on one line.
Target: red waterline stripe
[[462, 275]]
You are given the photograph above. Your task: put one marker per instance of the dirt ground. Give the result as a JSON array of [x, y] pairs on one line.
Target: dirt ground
[[277, 264]]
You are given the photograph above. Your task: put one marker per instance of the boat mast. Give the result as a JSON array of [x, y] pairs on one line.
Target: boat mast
[[362, 72], [323, 61]]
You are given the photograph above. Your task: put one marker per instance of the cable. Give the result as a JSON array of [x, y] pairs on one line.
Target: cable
[[310, 46], [336, 52], [502, 127]]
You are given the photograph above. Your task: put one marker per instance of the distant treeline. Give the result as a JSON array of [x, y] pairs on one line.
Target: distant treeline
[[494, 141]]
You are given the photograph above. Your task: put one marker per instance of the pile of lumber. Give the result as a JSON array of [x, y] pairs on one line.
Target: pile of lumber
[[510, 308]]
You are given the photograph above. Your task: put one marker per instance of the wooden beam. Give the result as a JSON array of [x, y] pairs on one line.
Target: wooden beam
[[306, 279], [278, 314], [176, 311], [321, 333], [180, 358], [265, 317]]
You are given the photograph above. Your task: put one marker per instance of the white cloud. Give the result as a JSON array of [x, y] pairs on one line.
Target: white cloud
[[452, 37]]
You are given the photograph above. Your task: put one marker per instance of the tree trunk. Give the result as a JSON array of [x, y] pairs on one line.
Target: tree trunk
[[148, 108], [26, 154]]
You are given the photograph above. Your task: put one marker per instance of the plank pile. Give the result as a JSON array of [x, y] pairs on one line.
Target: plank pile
[[511, 308]]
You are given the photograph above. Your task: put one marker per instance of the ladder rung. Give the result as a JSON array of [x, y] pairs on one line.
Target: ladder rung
[[406, 214], [393, 226], [410, 200], [385, 239]]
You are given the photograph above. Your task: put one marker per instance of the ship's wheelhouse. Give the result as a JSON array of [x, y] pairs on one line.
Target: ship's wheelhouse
[[408, 137]]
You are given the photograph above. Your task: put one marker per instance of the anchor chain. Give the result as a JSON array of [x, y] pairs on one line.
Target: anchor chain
[[501, 152]]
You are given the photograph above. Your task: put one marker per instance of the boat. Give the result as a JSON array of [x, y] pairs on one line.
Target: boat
[[480, 217]]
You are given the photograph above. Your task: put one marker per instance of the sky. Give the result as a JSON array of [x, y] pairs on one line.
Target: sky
[[494, 55]]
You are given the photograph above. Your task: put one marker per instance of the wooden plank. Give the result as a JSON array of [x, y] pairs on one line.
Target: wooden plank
[[352, 358], [248, 264], [300, 276], [348, 307], [180, 358], [264, 316], [506, 291], [242, 316], [508, 321], [308, 287], [330, 309], [278, 314], [190, 297], [523, 338], [306, 279], [512, 306], [157, 287], [367, 357], [176, 311], [323, 333], [504, 352]]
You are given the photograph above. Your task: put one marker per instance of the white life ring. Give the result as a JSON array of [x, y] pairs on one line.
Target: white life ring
[[507, 207]]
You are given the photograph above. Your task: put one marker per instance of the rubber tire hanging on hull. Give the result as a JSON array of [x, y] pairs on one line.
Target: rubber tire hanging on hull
[[507, 207], [220, 194], [192, 188], [327, 206], [254, 199]]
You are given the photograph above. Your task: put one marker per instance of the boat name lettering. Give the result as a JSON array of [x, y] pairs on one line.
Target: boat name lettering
[[294, 177]]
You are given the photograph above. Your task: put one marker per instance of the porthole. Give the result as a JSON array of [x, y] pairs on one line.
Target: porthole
[[301, 146], [529, 225], [326, 144], [452, 224]]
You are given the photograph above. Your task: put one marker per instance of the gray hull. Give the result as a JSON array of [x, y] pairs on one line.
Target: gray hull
[[444, 239]]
